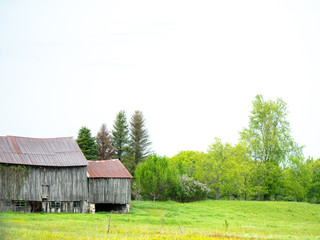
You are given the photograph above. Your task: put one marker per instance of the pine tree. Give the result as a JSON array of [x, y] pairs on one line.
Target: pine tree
[[139, 138], [104, 142], [87, 144], [120, 135]]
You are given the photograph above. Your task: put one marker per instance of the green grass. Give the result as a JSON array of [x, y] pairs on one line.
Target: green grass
[[147, 220]]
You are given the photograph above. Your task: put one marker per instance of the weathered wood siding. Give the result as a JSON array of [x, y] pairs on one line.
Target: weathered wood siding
[[45, 183], [110, 190]]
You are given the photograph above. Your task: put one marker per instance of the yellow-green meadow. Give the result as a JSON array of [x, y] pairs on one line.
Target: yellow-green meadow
[[171, 220]]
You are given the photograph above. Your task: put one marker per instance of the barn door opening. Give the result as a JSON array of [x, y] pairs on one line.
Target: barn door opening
[[36, 206], [105, 207]]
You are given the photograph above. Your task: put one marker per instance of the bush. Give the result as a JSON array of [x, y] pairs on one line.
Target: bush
[[189, 190], [157, 178]]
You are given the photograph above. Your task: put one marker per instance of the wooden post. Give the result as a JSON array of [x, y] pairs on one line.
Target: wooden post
[[180, 229], [109, 223]]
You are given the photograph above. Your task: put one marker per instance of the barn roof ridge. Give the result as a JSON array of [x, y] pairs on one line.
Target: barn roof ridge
[[39, 138], [103, 160]]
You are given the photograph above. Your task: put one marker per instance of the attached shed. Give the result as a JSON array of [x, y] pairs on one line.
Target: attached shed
[[46, 175], [109, 185]]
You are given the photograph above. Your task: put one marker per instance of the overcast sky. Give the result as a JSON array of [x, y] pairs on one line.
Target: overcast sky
[[192, 67]]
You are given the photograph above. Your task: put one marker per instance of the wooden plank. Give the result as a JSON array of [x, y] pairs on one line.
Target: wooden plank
[[90, 190], [34, 184]]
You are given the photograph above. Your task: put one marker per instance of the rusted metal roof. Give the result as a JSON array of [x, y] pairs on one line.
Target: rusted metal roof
[[107, 169], [56, 152]]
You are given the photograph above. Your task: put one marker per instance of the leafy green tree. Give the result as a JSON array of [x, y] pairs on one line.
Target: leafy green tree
[[187, 162], [298, 177], [270, 143], [227, 170], [157, 177], [120, 135], [87, 144], [314, 189], [216, 169], [267, 180], [268, 134], [139, 139], [240, 169], [244, 169], [104, 141]]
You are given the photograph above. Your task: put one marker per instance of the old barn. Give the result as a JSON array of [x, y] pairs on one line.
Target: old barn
[[109, 185], [42, 175], [53, 175]]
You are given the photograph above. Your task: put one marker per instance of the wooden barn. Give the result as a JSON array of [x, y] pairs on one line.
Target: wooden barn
[[48, 175], [109, 185]]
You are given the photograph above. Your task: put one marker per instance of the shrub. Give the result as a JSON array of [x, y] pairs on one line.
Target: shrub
[[188, 190], [157, 177]]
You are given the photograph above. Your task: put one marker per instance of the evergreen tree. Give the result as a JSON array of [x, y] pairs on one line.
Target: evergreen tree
[[120, 135], [139, 138], [104, 142], [87, 144]]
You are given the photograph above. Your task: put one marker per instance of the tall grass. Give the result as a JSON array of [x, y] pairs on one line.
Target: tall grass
[[161, 220]]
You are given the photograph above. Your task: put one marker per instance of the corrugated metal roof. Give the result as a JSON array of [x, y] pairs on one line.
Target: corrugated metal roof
[[56, 152], [107, 169]]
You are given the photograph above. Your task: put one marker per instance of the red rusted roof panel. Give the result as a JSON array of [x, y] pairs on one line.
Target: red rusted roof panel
[[107, 169], [55, 152]]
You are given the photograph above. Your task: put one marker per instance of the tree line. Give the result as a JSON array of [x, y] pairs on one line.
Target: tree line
[[266, 163], [127, 142]]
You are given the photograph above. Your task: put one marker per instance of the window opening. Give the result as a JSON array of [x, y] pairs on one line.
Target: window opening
[[20, 203], [76, 204], [55, 204]]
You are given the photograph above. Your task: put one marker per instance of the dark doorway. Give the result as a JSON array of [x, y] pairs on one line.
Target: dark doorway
[[104, 207], [36, 206]]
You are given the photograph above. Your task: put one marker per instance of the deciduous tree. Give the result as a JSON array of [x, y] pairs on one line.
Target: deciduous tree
[[215, 168], [187, 161], [314, 189], [269, 141], [298, 177], [157, 177], [104, 142]]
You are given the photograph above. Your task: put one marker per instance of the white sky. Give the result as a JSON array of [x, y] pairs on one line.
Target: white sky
[[192, 67]]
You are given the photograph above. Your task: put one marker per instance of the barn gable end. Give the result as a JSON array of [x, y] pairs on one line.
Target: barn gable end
[[109, 185]]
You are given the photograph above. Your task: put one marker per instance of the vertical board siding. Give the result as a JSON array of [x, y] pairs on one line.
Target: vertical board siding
[[110, 190], [64, 184]]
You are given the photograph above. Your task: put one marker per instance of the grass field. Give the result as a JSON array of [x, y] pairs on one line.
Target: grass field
[[161, 220]]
